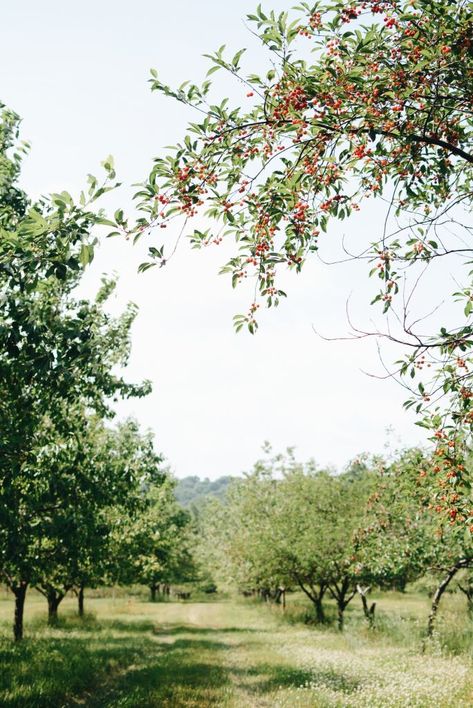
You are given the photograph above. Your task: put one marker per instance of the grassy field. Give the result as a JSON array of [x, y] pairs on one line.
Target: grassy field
[[131, 653]]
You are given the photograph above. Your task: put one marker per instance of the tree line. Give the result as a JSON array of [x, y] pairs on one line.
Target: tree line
[[290, 526], [82, 501]]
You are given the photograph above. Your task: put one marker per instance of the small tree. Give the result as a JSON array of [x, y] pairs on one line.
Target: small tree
[[401, 539], [155, 546], [319, 516], [291, 525], [99, 469]]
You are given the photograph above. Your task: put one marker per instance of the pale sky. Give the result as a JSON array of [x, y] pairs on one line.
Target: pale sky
[[77, 73]]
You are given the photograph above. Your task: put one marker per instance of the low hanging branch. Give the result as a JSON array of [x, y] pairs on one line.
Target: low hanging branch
[[381, 110]]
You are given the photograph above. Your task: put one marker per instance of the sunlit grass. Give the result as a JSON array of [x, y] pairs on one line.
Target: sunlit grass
[[132, 653]]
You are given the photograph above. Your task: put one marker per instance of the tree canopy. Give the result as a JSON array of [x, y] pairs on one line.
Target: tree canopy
[[69, 481], [363, 101]]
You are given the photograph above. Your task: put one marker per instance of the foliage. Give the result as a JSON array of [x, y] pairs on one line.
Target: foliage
[[64, 475], [47, 237], [58, 354], [153, 543], [193, 491], [103, 472], [401, 541], [290, 525], [367, 100], [65, 363]]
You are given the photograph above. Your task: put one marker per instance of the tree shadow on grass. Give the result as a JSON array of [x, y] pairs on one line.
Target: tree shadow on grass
[[48, 672], [90, 623], [275, 677], [171, 629], [130, 625], [132, 669], [143, 667], [193, 672], [186, 672]]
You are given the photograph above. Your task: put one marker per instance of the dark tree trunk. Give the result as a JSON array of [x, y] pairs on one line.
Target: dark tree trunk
[[20, 594], [319, 610], [464, 563], [80, 600], [280, 596], [340, 615], [316, 596], [343, 595], [153, 590], [54, 600], [368, 610]]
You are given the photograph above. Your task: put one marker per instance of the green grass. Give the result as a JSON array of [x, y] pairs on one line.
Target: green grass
[[131, 653]]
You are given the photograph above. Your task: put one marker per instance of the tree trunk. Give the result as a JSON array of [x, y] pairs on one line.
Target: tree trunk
[[464, 563], [80, 600], [316, 597], [401, 585], [319, 610], [340, 615], [20, 594], [343, 595], [153, 589], [367, 610], [54, 600]]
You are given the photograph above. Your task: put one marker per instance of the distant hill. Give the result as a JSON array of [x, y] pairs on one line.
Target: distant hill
[[193, 491]]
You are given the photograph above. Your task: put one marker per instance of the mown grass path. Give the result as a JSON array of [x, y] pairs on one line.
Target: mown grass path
[[236, 655]]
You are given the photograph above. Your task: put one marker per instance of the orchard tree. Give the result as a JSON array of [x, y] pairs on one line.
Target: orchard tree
[[212, 540], [396, 545], [152, 542], [95, 470], [319, 514], [401, 540], [164, 555], [290, 525], [367, 100], [131, 468], [240, 540], [56, 351]]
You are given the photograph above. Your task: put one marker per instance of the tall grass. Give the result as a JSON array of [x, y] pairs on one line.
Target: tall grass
[[400, 620]]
